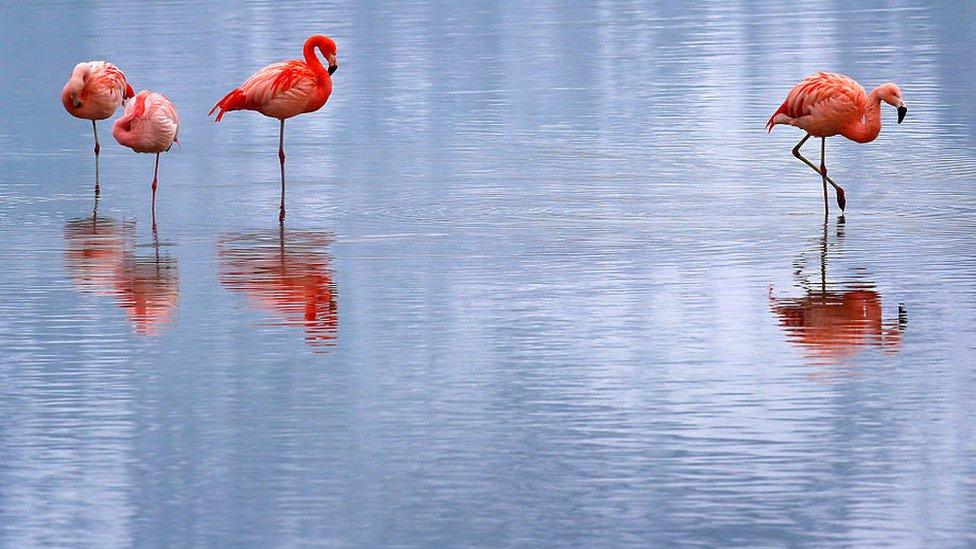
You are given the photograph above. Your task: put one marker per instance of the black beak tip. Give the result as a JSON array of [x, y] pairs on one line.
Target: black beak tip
[[902, 111], [332, 69]]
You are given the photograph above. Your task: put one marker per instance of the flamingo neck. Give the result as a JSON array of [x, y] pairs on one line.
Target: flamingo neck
[[867, 127], [138, 109], [76, 83], [312, 60]]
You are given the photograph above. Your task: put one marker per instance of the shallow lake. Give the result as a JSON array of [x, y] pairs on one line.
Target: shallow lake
[[544, 280]]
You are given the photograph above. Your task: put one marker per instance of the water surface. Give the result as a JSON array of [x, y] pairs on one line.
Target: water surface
[[544, 280]]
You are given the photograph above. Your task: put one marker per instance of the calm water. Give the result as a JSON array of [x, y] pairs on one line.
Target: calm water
[[544, 280]]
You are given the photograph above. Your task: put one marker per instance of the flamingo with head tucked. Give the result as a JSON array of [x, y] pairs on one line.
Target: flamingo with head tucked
[[149, 125], [94, 91], [828, 104], [285, 89]]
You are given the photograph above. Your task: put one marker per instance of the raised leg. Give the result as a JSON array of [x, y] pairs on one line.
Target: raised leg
[[97, 149], [281, 158], [155, 178], [841, 200]]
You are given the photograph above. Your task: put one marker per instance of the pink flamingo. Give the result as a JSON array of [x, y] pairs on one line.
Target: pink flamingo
[[94, 91], [827, 104], [149, 125], [285, 89]]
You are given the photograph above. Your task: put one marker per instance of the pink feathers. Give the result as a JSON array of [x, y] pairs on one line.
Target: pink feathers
[[287, 88], [95, 90], [827, 104], [150, 124]]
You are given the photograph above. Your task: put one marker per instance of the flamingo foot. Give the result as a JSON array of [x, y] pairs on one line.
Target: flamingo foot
[[841, 199]]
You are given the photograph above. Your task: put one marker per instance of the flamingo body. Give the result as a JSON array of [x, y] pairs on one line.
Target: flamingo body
[[149, 125], [827, 104], [280, 90], [95, 90]]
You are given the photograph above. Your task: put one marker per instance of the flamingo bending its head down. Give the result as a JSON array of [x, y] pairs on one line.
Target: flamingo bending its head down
[[149, 125], [285, 89], [94, 91], [828, 104]]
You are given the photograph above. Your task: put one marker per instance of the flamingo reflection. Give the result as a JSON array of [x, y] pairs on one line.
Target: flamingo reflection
[[288, 274], [833, 321], [100, 258]]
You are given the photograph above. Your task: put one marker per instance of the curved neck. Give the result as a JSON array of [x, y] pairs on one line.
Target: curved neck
[[867, 127], [312, 60], [76, 82], [137, 109]]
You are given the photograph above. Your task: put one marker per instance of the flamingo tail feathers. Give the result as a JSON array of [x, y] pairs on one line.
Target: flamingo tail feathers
[[233, 101], [772, 119], [129, 92]]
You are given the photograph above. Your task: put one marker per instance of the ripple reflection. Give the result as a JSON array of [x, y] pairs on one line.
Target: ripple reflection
[[288, 273], [100, 258], [834, 319]]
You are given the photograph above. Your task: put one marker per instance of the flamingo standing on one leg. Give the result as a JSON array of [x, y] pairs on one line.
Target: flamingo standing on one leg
[[827, 104], [285, 89], [149, 125], [94, 91]]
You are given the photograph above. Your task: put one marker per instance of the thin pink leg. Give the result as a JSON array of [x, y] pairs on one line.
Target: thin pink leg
[[97, 149], [155, 177], [281, 158]]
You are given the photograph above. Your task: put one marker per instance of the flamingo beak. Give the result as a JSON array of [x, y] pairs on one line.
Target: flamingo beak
[[902, 111], [333, 64]]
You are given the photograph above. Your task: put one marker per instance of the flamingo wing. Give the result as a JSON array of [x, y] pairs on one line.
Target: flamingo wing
[[163, 115], [106, 75], [822, 94]]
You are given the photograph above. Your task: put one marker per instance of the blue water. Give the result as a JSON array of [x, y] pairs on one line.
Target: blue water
[[544, 280]]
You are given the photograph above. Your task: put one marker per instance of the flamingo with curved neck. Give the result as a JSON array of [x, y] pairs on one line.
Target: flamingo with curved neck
[[150, 125], [286, 89], [94, 91], [828, 104]]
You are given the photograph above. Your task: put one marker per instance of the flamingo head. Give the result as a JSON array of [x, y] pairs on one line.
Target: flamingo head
[[328, 48], [890, 94], [76, 83]]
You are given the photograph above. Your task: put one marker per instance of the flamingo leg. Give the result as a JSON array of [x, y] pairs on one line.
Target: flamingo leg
[[97, 149], [841, 200], [823, 170], [154, 181], [281, 158]]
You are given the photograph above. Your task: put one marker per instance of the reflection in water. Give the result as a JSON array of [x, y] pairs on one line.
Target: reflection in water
[[100, 259], [831, 321], [287, 273]]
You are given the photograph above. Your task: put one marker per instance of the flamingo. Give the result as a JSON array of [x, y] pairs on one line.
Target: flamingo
[[94, 91], [149, 125], [828, 104], [285, 89]]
